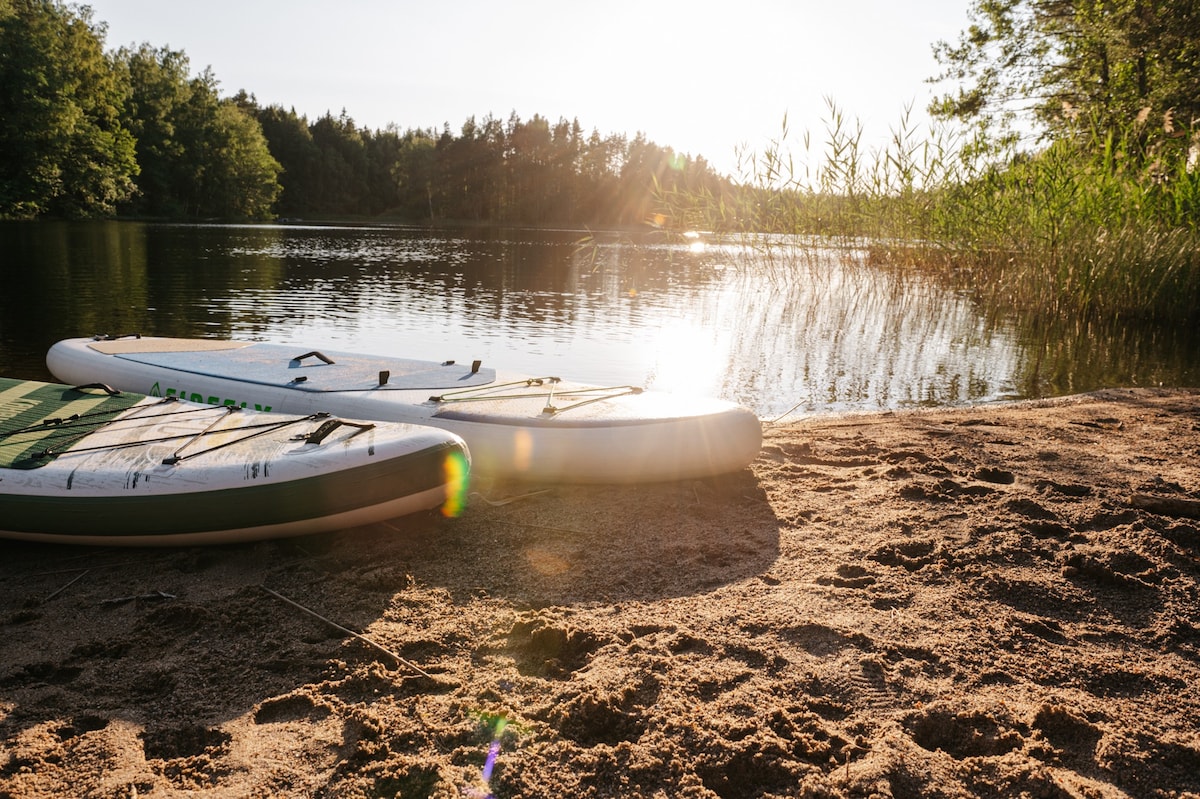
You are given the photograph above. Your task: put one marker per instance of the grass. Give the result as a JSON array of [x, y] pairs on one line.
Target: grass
[[1104, 226]]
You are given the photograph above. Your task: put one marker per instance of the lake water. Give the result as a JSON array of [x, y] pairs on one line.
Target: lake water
[[782, 336]]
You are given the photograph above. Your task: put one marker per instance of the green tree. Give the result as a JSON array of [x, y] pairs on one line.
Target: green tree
[[565, 168], [1118, 59], [160, 89], [645, 166], [341, 166], [240, 178], [384, 148], [1074, 66], [291, 144], [599, 163], [532, 147], [468, 166], [64, 149], [202, 156], [413, 173]]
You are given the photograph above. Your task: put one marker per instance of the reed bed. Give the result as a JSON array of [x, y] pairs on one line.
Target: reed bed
[[1100, 225]]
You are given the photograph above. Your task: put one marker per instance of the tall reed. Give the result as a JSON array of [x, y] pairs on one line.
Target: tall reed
[[1105, 224]]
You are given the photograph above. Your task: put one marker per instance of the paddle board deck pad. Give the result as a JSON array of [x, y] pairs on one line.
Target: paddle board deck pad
[[539, 428], [90, 465]]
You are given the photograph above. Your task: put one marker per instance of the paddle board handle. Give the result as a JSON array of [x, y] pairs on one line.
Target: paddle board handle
[[107, 389], [322, 432], [313, 354]]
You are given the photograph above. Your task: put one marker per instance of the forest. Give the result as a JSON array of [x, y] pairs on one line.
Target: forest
[[133, 132]]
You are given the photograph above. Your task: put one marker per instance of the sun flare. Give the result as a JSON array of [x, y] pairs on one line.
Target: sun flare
[[688, 358]]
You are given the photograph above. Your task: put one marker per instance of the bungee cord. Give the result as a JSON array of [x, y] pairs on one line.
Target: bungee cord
[[71, 429], [487, 394]]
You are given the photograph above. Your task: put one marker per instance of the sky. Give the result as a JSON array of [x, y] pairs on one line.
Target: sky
[[703, 78]]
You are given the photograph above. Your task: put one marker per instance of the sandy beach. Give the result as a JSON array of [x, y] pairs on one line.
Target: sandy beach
[[996, 601]]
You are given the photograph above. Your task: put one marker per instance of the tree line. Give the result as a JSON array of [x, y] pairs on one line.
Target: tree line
[[86, 132], [514, 171]]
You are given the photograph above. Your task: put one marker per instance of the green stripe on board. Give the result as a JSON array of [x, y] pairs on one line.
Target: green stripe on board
[[131, 514], [26, 404]]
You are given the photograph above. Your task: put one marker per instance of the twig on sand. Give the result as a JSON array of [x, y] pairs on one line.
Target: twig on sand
[[69, 583], [122, 599], [360, 637], [496, 503], [1167, 506]]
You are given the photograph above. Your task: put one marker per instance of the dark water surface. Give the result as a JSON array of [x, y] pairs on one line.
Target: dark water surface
[[812, 334]]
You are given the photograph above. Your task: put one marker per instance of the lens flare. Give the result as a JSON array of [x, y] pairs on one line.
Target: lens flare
[[490, 762], [496, 723], [522, 450], [457, 472]]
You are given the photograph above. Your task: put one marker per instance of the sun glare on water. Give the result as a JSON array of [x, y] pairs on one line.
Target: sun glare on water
[[688, 358]]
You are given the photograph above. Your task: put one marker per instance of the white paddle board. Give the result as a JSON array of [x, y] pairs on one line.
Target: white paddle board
[[532, 427]]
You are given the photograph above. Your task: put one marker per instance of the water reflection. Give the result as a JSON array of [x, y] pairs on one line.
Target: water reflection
[[810, 334], [854, 338]]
